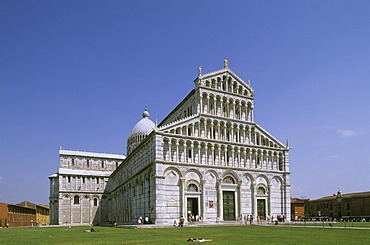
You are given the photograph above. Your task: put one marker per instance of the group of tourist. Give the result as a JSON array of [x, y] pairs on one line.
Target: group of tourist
[[191, 219], [181, 222], [248, 219], [140, 220]]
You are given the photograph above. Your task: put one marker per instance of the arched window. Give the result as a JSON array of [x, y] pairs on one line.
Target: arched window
[[229, 180], [95, 202], [193, 188], [261, 191], [281, 163], [76, 200], [226, 114], [189, 131]]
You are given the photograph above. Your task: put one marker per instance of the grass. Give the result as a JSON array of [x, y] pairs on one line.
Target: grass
[[219, 235], [334, 224]]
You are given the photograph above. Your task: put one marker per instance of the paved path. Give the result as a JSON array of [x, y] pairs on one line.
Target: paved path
[[321, 225]]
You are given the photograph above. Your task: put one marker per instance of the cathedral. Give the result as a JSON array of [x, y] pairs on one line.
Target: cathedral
[[207, 158]]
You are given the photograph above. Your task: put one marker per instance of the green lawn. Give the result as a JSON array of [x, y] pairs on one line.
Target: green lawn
[[335, 224], [218, 234]]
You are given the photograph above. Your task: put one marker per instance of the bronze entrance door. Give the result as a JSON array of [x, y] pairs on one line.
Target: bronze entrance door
[[261, 208], [229, 205], [192, 205]]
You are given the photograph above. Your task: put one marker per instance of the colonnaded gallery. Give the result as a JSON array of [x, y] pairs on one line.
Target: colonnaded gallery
[[207, 157]]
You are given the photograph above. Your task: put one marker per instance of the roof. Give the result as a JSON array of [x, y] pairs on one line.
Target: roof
[[164, 121], [144, 126], [27, 204], [298, 200], [91, 154], [53, 176], [344, 196]]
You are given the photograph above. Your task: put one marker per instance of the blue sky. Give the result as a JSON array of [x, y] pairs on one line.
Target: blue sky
[[79, 75]]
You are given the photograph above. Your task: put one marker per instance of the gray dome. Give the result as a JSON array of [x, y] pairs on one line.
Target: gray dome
[[141, 130], [144, 126]]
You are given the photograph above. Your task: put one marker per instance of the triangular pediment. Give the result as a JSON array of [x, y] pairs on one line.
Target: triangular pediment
[[225, 80], [221, 83], [266, 139]]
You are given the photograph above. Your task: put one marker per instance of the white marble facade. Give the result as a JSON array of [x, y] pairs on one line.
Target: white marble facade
[[207, 157], [77, 190]]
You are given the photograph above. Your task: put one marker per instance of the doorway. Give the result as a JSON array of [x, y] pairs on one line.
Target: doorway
[[229, 205], [261, 208], [192, 205]]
